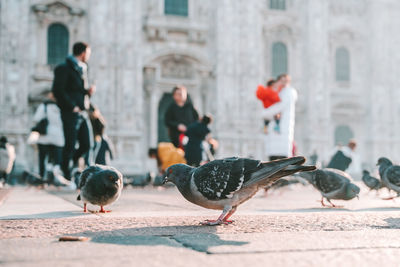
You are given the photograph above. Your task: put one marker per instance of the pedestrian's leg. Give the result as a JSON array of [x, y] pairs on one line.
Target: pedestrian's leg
[[70, 134], [84, 143], [42, 158]]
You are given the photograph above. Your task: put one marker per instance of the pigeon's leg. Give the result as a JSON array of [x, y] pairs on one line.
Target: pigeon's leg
[[220, 219], [333, 205], [102, 210], [229, 215], [84, 207], [322, 202]]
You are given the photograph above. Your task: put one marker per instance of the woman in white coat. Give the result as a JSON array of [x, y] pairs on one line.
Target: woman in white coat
[[50, 144], [280, 144]]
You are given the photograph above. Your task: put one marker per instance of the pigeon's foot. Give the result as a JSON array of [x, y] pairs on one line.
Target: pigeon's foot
[[215, 222], [102, 210], [389, 198], [84, 208], [334, 206]]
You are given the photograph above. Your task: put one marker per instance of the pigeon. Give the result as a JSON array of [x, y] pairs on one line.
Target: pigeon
[[333, 184], [100, 185], [7, 158], [224, 184], [390, 175], [372, 182]]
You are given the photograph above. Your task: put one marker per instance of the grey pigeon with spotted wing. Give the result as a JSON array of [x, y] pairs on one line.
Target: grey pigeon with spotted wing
[[332, 184], [390, 175], [100, 185], [226, 183], [371, 182]]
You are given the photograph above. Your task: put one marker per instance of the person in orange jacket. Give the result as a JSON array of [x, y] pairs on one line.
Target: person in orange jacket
[[166, 155], [269, 95]]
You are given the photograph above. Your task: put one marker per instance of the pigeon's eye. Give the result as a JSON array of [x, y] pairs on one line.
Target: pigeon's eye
[[110, 178], [170, 171]]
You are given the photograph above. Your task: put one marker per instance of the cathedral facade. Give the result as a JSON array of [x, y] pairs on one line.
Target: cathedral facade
[[341, 54]]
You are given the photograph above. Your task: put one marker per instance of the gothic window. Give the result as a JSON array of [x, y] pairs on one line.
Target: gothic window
[[57, 43], [342, 59], [176, 7], [343, 134], [279, 59], [277, 4]]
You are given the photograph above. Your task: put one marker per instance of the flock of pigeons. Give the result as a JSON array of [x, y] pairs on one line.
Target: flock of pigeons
[[226, 183]]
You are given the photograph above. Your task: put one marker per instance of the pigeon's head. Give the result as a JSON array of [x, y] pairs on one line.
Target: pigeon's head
[[177, 174], [112, 178], [352, 191], [384, 162]]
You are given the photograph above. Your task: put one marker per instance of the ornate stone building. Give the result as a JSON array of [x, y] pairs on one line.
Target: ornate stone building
[[342, 56]]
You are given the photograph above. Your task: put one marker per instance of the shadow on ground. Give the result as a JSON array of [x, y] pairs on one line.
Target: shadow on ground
[[196, 237], [45, 215]]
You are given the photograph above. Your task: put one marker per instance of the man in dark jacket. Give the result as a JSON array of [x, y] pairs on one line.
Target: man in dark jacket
[[71, 89], [179, 114]]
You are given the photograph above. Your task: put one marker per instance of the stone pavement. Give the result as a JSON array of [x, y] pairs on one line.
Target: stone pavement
[[157, 227]]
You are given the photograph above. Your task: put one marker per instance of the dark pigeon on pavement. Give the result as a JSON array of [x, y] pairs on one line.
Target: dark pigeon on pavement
[[100, 185], [7, 158], [371, 182], [390, 175], [226, 183], [332, 184]]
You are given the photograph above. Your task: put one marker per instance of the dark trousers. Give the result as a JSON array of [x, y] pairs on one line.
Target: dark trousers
[[53, 154], [75, 129]]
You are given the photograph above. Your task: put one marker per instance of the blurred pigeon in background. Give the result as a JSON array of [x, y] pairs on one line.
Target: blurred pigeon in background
[[100, 185], [7, 158], [225, 184], [332, 184], [372, 182], [390, 175]]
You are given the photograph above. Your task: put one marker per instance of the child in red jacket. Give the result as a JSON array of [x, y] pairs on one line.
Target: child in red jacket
[[269, 95]]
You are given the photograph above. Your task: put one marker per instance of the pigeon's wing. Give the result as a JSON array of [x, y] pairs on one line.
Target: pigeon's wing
[[339, 173], [86, 174], [393, 175], [219, 179], [269, 172], [327, 181]]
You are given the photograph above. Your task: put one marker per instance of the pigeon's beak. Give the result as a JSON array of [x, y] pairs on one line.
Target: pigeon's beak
[[165, 180], [358, 197]]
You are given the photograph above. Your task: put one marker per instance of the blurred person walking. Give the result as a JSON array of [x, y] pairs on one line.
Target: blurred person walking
[[71, 90], [197, 132], [270, 95], [103, 150], [51, 143], [344, 157], [179, 115], [280, 144]]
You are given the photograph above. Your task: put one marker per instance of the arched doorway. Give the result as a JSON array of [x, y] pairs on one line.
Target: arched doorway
[[160, 76]]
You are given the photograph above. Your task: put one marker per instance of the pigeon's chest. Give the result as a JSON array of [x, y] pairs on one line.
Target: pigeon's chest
[[235, 199], [100, 194]]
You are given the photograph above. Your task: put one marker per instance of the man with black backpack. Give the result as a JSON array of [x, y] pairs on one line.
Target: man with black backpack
[[71, 90]]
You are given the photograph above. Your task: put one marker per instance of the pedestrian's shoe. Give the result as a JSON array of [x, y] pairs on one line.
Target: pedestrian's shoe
[[58, 179]]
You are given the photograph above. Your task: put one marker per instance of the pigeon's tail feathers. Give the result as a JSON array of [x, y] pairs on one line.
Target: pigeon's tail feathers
[[79, 197], [268, 169], [294, 169], [290, 170]]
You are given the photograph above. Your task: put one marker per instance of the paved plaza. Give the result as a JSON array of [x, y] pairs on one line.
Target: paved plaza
[[157, 227]]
